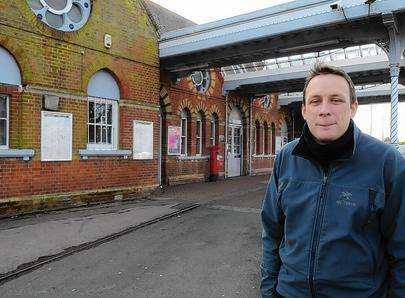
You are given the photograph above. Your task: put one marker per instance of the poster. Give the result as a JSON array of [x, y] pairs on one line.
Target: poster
[[143, 140], [173, 140], [56, 136]]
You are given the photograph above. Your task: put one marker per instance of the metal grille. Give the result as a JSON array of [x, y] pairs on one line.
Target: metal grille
[[201, 80], [63, 15]]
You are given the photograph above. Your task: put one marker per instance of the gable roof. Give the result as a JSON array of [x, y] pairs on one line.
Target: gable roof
[[164, 19]]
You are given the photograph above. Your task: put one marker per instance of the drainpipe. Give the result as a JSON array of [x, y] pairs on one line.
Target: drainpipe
[[250, 134], [226, 137], [160, 149]]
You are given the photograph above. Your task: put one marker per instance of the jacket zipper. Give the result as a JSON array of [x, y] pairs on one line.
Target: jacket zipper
[[372, 198], [316, 233], [373, 213]]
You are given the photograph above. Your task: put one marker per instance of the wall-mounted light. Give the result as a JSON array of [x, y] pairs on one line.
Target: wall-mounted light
[[369, 1], [107, 41]]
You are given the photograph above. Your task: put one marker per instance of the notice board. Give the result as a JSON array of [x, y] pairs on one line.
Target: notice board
[[56, 136], [143, 140]]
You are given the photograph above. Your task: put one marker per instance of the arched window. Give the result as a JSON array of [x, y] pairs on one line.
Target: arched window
[[266, 138], [214, 129], [273, 138], [184, 124], [10, 72], [258, 138], [102, 122], [199, 133], [9, 75]]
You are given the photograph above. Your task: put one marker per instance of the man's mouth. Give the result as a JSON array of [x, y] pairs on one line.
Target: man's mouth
[[326, 125]]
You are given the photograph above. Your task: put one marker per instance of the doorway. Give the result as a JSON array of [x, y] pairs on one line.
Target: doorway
[[235, 143]]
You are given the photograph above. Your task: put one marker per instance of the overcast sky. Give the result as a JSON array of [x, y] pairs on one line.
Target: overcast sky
[[204, 11], [374, 120]]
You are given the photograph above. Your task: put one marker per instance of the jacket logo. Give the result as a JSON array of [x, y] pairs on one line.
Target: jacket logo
[[345, 199]]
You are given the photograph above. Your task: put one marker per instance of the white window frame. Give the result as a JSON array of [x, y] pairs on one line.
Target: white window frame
[[213, 140], [263, 141], [272, 135], [266, 132], [257, 142], [7, 120], [254, 140], [237, 149], [184, 138], [114, 126], [198, 135]]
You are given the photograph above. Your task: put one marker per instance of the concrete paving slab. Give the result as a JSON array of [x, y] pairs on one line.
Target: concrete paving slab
[[25, 242]]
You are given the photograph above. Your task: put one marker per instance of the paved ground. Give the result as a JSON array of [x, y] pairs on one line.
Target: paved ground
[[212, 251], [240, 192], [50, 234]]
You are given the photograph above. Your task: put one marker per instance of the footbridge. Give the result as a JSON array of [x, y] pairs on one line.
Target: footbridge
[[284, 30], [366, 65], [295, 28]]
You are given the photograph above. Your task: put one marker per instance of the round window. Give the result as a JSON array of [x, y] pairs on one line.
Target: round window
[[201, 80], [63, 15]]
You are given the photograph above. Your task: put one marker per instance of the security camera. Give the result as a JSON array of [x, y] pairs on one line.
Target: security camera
[[336, 5], [369, 1]]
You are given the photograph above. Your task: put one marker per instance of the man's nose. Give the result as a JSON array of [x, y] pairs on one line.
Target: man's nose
[[324, 108]]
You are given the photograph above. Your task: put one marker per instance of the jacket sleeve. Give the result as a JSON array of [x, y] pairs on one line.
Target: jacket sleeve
[[272, 234], [393, 225]]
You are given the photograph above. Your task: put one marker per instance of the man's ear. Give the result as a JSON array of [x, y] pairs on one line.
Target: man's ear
[[303, 111], [353, 108]]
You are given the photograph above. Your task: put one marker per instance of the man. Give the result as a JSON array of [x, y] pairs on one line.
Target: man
[[334, 212]]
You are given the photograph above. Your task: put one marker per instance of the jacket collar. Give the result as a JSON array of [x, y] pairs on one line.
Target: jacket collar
[[300, 149]]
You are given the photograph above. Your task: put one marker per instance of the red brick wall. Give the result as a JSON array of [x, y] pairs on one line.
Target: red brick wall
[[272, 114], [182, 94], [53, 62], [18, 178]]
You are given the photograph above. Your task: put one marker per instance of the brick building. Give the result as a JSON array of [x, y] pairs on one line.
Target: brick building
[[197, 103], [87, 115]]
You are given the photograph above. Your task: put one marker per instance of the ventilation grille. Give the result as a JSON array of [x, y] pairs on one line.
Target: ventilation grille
[[63, 15]]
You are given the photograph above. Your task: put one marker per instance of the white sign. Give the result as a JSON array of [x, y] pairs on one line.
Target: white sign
[[56, 136], [143, 140]]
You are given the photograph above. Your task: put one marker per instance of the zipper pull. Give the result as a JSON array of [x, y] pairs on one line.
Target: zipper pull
[[325, 175]]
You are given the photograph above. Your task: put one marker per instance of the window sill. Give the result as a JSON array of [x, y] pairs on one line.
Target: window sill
[[263, 156], [195, 157], [25, 154], [85, 154]]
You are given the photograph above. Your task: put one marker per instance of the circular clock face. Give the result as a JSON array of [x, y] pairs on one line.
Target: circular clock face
[[63, 15], [265, 101], [201, 80]]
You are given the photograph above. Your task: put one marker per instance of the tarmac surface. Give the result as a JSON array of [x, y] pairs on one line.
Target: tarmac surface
[[210, 251]]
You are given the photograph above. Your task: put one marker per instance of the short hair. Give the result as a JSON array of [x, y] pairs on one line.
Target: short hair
[[320, 68]]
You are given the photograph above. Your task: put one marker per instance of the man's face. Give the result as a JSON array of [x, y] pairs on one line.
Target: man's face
[[327, 108]]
